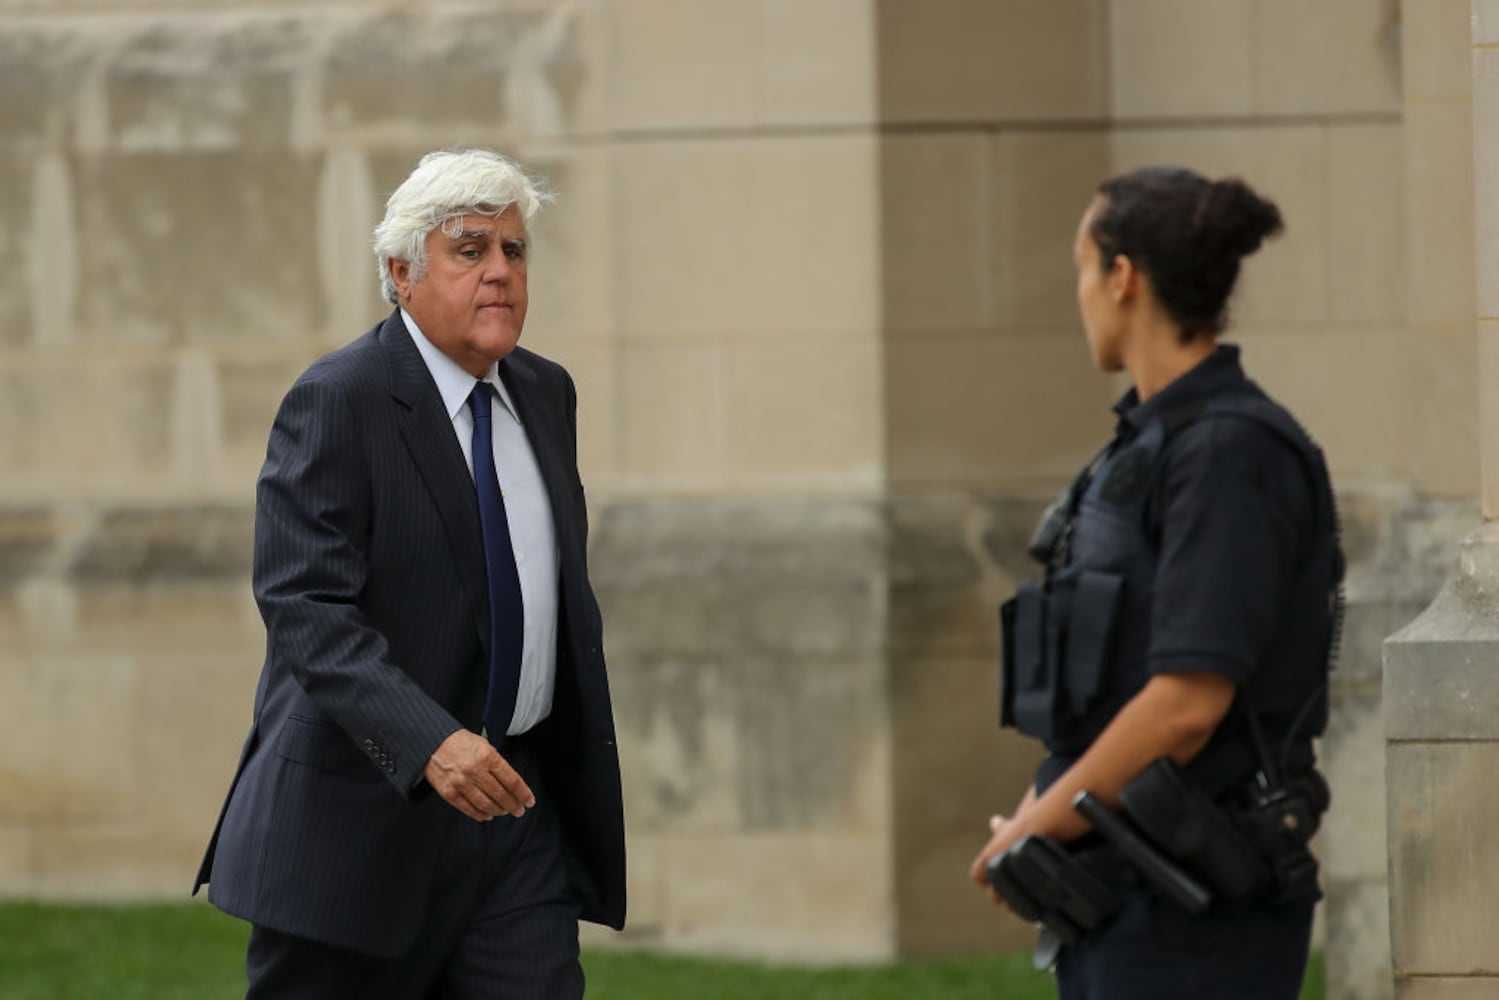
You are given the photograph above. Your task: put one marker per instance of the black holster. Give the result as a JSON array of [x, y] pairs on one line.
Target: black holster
[[1045, 883]]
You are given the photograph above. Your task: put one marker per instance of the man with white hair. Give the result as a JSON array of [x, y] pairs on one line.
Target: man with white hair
[[429, 797]]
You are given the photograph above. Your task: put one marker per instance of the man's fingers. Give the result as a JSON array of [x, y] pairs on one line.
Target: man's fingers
[[514, 784]]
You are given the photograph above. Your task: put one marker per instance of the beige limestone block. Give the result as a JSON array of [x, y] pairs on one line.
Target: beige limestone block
[[747, 236], [803, 414], [1486, 179], [674, 65], [982, 411], [1488, 413], [1286, 281], [571, 268], [1443, 379], [1366, 220], [18, 876], [953, 766], [203, 247], [249, 391], [817, 62], [17, 255], [823, 897], [115, 431], [128, 861], [52, 250], [1439, 213], [1356, 941], [1182, 58], [1329, 57], [195, 702], [940, 913], [1040, 184], [987, 60], [190, 614], [1442, 906], [593, 363], [1347, 387], [1485, 22], [936, 190], [670, 408], [43, 776], [1353, 842], [1435, 44]]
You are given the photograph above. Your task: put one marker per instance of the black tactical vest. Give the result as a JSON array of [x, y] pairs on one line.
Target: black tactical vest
[[1075, 643]]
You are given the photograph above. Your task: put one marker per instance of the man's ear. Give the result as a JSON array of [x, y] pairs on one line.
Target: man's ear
[[400, 274]]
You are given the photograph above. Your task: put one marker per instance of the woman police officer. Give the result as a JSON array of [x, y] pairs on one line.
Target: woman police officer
[[1189, 606]]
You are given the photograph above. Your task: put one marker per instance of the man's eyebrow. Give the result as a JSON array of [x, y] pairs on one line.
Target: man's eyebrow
[[474, 234]]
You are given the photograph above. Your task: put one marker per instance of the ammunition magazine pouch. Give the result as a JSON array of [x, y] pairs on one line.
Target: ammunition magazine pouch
[[1057, 639]]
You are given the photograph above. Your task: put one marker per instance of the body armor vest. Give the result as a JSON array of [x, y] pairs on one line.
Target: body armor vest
[[1075, 644]]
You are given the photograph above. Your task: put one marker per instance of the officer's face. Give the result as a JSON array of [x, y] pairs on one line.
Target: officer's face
[[1098, 298]]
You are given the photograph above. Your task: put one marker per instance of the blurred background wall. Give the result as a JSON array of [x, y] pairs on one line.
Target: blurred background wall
[[810, 266]]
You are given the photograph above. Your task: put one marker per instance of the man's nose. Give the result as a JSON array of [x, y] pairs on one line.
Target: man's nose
[[497, 266]]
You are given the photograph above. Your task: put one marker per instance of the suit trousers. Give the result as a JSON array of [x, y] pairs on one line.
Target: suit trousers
[[1155, 950], [502, 923]]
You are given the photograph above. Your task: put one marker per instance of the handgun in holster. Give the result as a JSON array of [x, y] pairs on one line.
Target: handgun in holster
[[1044, 883]]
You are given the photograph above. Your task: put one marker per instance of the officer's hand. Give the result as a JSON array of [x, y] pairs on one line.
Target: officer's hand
[[1004, 836], [470, 774]]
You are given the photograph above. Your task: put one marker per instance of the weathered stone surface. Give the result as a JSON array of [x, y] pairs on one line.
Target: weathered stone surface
[[174, 84], [43, 69], [746, 743], [1446, 988], [207, 247], [141, 544], [1358, 936], [511, 72], [16, 198], [27, 538], [941, 913], [1443, 908], [43, 776], [249, 392]]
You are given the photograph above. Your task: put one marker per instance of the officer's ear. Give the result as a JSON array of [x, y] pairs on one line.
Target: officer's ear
[[1123, 280]]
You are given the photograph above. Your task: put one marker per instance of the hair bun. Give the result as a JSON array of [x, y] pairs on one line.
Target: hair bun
[[1237, 219]]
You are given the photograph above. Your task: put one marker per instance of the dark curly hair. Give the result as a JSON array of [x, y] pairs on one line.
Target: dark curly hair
[[1187, 234]]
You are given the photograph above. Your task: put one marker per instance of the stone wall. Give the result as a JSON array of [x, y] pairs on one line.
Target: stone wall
[[810, 268]]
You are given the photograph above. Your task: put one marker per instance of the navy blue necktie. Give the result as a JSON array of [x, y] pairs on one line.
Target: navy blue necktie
[[506, 613]]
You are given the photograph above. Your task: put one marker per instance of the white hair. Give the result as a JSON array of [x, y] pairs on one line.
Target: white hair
[[445, 186]]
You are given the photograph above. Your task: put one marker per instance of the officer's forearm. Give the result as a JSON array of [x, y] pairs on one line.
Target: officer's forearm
[[1173, 716]]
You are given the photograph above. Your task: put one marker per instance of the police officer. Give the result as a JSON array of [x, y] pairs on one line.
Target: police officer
[[1206, 539]]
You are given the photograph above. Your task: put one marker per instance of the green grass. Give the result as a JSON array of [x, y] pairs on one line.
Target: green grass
[[192, 952]]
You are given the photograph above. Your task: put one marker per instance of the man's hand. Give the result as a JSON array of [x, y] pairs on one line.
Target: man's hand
[[470, 774], [1006, 833]]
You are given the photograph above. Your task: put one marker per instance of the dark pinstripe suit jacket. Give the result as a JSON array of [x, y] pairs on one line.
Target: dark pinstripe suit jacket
[[369, 573]]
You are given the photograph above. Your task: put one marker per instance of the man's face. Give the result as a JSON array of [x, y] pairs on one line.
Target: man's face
[[471, 303]]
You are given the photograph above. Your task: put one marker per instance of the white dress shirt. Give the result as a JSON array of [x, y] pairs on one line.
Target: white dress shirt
[[533, 536]]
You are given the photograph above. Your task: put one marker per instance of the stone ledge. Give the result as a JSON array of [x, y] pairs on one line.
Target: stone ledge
[[135, 545]]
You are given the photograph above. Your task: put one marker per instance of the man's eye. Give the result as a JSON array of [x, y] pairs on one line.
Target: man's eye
[[515, 253], [469, 253]]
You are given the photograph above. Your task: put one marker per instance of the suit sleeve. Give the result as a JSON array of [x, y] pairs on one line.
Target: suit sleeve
[[312, 523]]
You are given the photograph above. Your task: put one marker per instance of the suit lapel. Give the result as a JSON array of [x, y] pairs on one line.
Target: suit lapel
[[427, 432]]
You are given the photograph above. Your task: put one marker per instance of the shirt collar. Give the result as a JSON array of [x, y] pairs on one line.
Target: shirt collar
[[453, 383], [1215, 373]]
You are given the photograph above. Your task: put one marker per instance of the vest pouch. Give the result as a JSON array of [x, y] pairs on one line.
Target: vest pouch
[[1092, 618], [1180, 819], [1027, 671]]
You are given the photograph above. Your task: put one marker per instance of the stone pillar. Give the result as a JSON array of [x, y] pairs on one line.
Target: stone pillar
[[1441, 683]]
